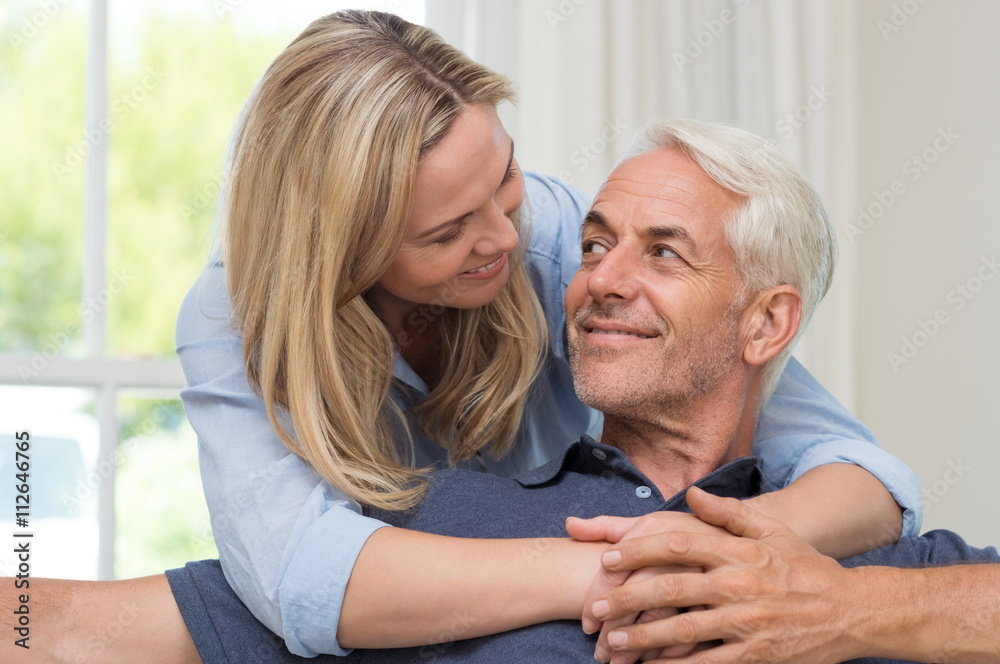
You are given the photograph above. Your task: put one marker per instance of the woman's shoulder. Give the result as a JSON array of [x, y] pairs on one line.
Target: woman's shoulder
[[555, 210]]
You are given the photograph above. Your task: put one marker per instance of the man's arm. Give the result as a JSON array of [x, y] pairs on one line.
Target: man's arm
[[775, 599], [96, 621]]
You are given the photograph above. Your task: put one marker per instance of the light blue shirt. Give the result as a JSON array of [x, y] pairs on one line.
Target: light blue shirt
[[288, 540]]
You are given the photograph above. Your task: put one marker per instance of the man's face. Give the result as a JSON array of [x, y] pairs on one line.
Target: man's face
[[652, 315]]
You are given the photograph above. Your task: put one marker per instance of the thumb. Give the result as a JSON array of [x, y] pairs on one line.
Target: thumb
[[731, 514], [599, 529]]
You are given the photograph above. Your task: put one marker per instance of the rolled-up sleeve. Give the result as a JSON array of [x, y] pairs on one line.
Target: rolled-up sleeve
[[287, 540], [803, 426]]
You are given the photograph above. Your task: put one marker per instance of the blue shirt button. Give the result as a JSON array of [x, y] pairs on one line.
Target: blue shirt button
[[600, 454], [643, 491]]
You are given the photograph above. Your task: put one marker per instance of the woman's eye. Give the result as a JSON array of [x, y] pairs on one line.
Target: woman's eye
[[511, 172], [665, 252], [454, 235]]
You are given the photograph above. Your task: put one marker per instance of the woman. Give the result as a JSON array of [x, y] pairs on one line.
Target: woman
[[385, 303]]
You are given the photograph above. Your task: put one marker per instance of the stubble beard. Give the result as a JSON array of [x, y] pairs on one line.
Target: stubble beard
[[683, 373]]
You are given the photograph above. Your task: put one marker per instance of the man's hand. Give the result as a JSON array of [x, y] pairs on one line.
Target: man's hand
[[772, 597]]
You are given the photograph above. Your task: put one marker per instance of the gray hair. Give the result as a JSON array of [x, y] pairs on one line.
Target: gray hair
[[780, 235]]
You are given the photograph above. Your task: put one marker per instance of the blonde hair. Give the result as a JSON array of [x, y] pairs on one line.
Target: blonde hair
[[781, 234], [321, 172]]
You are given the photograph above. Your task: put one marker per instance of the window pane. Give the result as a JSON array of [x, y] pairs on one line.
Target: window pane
[[41, 174], [63, 475], [162, 521]]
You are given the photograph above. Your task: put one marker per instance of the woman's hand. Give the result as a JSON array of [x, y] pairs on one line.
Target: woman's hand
[[618, 529]]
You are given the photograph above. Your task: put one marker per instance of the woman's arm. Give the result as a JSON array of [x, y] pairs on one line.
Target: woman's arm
[[444, 589], [302, 557], [801, 428], [840, 509], [282, 534]]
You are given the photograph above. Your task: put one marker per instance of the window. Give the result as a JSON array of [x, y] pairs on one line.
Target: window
[[117, 115]]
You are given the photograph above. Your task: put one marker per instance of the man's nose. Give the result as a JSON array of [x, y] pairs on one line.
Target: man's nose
[[614, 277]]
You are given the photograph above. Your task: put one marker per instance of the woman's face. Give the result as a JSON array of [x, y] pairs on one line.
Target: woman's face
[[459, 235]]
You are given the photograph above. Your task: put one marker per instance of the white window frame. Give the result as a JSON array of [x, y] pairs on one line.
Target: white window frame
[[96, 370]]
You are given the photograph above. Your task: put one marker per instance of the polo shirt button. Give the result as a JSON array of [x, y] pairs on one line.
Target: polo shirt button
[[643, 491], [600, 454]]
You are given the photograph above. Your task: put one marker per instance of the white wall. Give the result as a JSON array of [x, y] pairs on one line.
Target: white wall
[[941, 408]]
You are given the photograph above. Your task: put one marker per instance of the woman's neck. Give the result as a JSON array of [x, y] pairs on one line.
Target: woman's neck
[[415, 330]]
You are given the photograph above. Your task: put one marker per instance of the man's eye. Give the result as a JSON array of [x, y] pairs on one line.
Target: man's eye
[[665, 252], [594, 248]]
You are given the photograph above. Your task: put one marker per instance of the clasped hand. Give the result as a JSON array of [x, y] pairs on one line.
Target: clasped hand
[[726, 579]]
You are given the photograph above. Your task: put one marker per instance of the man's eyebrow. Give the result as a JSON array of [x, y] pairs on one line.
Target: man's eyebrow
[[452, 222], [665, 232], [668, 233], [594, 217]]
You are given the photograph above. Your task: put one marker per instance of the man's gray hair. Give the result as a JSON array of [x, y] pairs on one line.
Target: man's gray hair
[[780, 235]]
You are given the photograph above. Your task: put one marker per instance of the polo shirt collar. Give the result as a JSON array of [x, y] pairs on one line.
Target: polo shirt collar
[[739, 479]]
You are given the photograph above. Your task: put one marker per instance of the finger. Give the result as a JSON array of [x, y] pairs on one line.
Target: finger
[[663, 591], [603, 651], [733, 515], [670, 651], [728, 653], [683, 629], [677, 548], [674, 651], [630, 657], [600, 528], [603, 583]]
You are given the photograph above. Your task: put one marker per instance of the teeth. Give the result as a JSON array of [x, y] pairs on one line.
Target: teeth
[[631, 334], [485, 267]]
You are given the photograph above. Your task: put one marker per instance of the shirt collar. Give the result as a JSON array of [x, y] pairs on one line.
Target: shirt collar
[[404, 373], [740, 479]]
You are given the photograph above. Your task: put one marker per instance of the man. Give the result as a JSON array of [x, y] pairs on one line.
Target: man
[[703, 255]]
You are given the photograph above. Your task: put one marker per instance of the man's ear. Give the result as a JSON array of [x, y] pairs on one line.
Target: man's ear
[[773, 318]]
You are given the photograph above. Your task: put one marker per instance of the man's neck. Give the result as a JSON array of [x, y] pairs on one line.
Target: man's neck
[[675, 449]]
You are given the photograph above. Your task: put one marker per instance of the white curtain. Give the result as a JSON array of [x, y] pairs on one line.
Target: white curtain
[[590, 72]]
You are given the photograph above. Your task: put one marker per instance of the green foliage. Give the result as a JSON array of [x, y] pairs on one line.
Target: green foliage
[[177, 83], [41, 230]]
